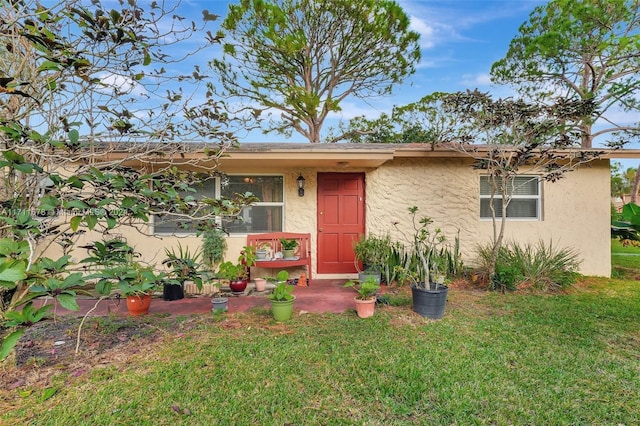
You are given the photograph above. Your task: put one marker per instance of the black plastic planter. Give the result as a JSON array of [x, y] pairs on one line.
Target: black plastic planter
[[430, 303], [172, 292]]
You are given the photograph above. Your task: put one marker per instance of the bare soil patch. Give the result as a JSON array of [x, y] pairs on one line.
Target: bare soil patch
[[48, 348]]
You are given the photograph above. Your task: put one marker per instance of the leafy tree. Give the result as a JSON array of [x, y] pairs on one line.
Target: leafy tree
[[504, 137], [581, 49], [621, 180], [304, 57], [383, 129], [80, 104], [424, 121], [517, 137]]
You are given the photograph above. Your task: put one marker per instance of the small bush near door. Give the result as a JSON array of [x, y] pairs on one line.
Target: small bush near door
[[541, 266]]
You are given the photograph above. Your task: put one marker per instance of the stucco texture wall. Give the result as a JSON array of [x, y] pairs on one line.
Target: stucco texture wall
[[575, 210]]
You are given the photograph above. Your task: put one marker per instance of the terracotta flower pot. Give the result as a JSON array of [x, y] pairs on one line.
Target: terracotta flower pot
[[138, 304], [365, 308], [261, 284]]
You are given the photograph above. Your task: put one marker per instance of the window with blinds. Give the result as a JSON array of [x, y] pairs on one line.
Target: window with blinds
[[523, 197]]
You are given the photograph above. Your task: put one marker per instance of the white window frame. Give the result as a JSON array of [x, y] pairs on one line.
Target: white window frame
[[537, 197], [261, 203], [218, 194]]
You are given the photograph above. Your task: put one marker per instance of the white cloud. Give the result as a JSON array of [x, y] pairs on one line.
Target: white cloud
[[121, 84], [425, 30], [476, 80]]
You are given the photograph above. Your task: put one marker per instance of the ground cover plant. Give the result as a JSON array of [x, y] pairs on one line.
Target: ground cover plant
[[495, 358]]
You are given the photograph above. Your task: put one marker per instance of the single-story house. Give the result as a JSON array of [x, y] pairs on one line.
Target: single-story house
[[353, 189]]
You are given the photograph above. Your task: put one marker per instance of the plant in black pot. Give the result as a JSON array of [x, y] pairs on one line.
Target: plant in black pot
[[429, 297], [184, 267]]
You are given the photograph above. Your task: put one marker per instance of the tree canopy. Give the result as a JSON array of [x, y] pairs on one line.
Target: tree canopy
[[90, 138], [424, 121], [302, 58], [588, 50]]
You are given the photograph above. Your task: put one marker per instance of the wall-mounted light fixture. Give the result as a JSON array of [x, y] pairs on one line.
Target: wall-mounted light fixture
[[300, 181]]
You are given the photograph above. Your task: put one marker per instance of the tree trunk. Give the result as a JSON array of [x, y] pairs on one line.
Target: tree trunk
[[636, 186], [587, 136]]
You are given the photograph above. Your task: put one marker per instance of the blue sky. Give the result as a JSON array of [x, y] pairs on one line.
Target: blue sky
[[460, 40]]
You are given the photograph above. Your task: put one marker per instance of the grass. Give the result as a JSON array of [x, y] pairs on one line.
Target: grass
[[493, 359], [625, 260]]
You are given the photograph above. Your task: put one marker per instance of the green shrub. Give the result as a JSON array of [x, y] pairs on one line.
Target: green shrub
[[540, 266], [214, 247], [505, 278], [544, 266]]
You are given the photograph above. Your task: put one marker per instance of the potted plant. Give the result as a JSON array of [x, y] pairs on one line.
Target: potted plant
[[366, 298], [263, 251], [371, 251], [218, 301], [185, 267], [429, 297], [282, 298], [247, 259], [135, 282], [260, 283], [234, 274], [288, 247]]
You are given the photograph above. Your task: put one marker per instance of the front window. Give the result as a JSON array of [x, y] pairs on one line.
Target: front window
[[267, 215], [176, 224], [523, 192], [263, 216]]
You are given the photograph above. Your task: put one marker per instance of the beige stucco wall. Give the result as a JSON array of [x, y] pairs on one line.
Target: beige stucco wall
[[575, 210]]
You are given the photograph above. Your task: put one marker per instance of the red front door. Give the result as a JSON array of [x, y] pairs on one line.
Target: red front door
[[340, 220]]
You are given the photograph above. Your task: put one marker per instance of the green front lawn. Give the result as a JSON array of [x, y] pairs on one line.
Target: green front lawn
[[625, 260], [493, 359], [618, 248]]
